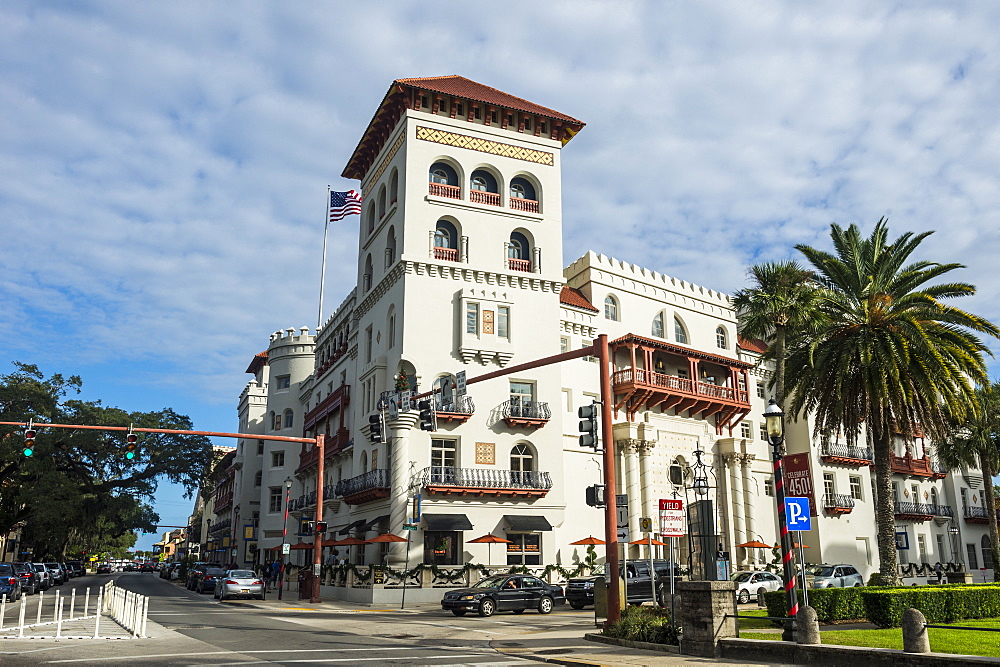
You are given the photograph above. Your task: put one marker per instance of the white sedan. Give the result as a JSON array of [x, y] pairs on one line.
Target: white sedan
[[239, 583], [750, 583]]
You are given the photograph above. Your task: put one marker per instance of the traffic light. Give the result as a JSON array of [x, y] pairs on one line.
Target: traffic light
[[595, 495], [428, 417], [29, 440], [588, 425], [376, 429], [306, 528], [321, 526], [131, 444]]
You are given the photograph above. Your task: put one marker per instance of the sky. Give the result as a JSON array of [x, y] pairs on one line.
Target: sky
[[163, 166]]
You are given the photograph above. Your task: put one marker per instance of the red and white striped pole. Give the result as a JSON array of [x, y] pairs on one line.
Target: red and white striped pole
[[774, 420]]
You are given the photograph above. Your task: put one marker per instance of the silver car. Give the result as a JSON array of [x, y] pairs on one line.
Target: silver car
[[833, 576], [750, 583], [44, 576], [239, 583]]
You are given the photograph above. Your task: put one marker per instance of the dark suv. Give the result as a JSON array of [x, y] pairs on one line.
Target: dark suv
[[30, 582], [10, 582], [76, 567], [580, 590]]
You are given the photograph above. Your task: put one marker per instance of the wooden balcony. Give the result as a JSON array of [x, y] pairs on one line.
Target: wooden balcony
[[442, 190], [846, 455], [340, 397], [334, 444], [526, 205], [447, 254], [485, 482], [480, 197], [917, 467]]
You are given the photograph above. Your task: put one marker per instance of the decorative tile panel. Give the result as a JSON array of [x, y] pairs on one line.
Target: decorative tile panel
[[377, 174], [486, 453], [485, 146]]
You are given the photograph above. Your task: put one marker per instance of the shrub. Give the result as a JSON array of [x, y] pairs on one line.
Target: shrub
[[937, 603], [831, 604], [645, 624]]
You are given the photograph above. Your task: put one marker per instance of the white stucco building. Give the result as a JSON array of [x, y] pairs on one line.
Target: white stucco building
[[460, 269]]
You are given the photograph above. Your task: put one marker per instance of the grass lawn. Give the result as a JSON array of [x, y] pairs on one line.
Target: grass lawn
[[964, 642], [762, 624]]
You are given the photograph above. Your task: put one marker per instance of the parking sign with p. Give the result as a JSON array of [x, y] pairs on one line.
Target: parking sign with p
[[797, 514]]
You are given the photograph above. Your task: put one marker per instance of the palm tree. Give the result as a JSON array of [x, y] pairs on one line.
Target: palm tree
[[781, 302], [888, 354], [974, 442]]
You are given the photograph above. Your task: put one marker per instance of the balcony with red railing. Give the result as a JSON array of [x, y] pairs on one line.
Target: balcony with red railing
[[720, 392], [442, 190], [519, 264], [526, 205], [334, 357], [483, 197], [340, 397], [447, 254], [224, 499], [332, 445], [917, 467]]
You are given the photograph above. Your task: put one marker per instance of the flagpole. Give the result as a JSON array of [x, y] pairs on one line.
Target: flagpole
[[322, 273]]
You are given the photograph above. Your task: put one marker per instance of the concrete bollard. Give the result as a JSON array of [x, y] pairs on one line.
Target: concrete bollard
[[915, 639], [806, 626]]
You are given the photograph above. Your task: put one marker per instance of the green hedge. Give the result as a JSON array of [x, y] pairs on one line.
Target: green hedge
[[884, 606], [644, 624], [831, 604]]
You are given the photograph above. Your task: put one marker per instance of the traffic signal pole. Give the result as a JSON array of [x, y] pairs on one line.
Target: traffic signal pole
[[318, 539]]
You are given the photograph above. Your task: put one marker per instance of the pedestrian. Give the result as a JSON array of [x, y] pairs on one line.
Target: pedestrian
[[939, 571]]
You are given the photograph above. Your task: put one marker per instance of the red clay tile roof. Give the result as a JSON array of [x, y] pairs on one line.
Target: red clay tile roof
[[752, 345], [459, 86], [257, 363], [399, 97], [574, 297]]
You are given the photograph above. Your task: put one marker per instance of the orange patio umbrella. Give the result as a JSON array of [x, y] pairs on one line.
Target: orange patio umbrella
[[754, 544], [346, 542], [650, 541], [589, 541], [385, 537], [490, 539], [301, 546]]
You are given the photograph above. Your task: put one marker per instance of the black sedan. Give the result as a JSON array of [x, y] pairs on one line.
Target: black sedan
[[504, 592]]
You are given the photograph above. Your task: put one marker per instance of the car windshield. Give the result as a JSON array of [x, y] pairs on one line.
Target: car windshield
[[820, 570], [742, 576], [242, 574], [214, 571], [39, 567], [491, 582], [53, 565], [6, 570]]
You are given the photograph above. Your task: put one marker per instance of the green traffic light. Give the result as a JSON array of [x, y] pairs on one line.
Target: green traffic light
[[130, 455], [28, 451]]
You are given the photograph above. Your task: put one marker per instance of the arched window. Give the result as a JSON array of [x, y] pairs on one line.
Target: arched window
[[680, 335], [289, 418], [366, 279], [443, 173], [390, 248], [483, 188], [521, 188], [390, 338], [364, 462], [381, 202], [987, 552], [610, 308], [257, 477], [439, 175], [720, 338], [519, 252], [522, 464], [275, 421], [516, 249], [371, 217], [657, 328], [445, 235], [393, 187]]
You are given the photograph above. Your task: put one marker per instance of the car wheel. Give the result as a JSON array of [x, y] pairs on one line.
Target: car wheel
[[857, 585], [518, 611], [545, 605], [458, 612], [743, 596], [486, 607], [576, 605]]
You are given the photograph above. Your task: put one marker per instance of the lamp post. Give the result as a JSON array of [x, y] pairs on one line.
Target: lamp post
[[774, 419], [284, 535]]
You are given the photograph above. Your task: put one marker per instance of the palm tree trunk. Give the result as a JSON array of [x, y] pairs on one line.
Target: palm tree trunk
[[986, 465], [885, 512], [779, 365]]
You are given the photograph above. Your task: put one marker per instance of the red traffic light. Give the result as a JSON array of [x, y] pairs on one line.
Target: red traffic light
[[29, 434]]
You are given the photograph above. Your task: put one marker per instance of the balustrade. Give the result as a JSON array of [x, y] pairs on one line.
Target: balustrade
[[372, 481], [833, 452], [519, 264], [480, 197], [447, 254], [526, 205], [442, 190], [485, 478], [838, 503]]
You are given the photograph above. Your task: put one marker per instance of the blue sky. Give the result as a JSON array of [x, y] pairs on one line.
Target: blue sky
[[163, 166]]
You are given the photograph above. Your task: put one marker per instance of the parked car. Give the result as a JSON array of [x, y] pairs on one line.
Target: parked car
[[503, 592], [580, 590], [206, 582], [10, 582], [44, 576], [103, 568], [57, 572], [840, 575], [239, 583], [166, 570], [194, 572], [146, 567], [76, 567], [29, 578], [750, 582]]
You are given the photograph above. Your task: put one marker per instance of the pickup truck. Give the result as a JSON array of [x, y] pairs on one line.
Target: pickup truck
[[580, 590]]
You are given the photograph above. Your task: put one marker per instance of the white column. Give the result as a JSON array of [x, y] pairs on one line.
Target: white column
[[735, 502], [632, 488], [748, 500], [648, 489], [400, 483]]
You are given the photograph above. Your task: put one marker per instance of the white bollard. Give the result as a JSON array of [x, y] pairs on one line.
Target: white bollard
[[136, 601], [72, 603], [3, 609], [20, 622], [55, 606], [86, 602], [97, 616], [41, 597], [59, 617], [145, 615]]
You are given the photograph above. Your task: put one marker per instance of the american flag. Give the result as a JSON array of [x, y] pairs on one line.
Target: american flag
[[343, 204]]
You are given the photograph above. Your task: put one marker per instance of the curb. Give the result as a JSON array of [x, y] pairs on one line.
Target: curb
[[628, 643]]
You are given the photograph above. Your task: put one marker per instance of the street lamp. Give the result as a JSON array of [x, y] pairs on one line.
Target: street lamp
[[699, 472], [774, 420], [284, 535]]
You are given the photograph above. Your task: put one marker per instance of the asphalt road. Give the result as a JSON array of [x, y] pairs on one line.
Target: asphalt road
[[191, 628]]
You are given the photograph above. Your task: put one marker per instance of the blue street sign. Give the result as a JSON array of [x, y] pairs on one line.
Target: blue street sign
[[797, 514]]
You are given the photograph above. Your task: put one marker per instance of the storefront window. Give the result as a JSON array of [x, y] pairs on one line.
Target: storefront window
[[524, 549], [442, 547]]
